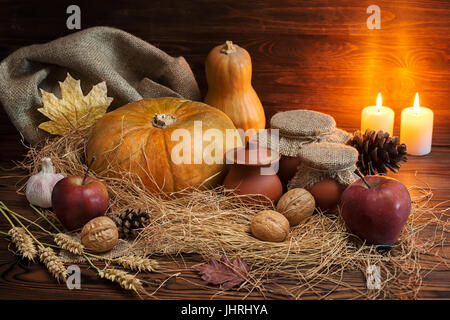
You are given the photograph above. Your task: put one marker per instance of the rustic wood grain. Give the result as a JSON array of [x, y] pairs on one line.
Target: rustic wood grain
[[306, 54]]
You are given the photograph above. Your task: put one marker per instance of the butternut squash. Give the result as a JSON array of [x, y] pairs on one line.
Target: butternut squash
[[229, 74]]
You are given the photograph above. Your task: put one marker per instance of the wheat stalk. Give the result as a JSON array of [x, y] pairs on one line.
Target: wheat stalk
[[23, 243], [68, 243], [124, 279], [136, 263], [53, 263]]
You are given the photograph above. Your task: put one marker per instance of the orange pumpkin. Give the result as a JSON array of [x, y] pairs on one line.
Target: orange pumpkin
[[138, 137], [229, 75]]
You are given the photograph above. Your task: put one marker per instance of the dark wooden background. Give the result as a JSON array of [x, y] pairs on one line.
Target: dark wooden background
[[306, 54]]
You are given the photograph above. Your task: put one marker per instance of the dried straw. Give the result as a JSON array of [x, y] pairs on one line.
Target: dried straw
[[210, 223]]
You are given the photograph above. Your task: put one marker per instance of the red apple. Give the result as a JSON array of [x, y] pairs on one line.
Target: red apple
[[75, 201], [376, 214]]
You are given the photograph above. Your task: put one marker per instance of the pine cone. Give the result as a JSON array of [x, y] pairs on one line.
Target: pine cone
[[378, 152], [130, 221]]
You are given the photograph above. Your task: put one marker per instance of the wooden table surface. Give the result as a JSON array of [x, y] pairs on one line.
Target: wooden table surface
[[316, 55]]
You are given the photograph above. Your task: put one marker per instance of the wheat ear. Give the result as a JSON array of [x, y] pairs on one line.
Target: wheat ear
[[136, 263], [23, 242], [68, 243], [124, 279], [53, 263]]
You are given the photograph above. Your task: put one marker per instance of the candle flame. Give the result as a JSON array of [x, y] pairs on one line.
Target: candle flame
[[379, 102], [416, 103]]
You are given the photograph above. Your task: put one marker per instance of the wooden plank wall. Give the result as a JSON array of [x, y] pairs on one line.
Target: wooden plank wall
[[317, 55]]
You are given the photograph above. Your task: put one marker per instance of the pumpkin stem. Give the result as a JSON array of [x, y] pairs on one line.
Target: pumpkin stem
[[161, 120], [228, 47]]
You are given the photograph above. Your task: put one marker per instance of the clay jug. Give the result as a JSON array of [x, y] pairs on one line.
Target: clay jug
[[253, 172]]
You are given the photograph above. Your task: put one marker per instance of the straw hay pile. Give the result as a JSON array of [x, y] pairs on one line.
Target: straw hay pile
[[211, 224]]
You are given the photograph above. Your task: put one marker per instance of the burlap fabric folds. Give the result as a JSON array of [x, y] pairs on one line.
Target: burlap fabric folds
[[132, 68], [325, 160]]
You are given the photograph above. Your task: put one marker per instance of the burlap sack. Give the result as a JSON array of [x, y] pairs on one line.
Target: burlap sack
[[132, 68], [123, 248], [301, 127], [325, 160]]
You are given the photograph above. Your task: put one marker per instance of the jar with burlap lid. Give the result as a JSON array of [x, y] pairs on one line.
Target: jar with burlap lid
[[325, 160], [296, 129], [300, 127], [325, 169]]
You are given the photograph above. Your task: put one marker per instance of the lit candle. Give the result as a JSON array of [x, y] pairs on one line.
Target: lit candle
[[416, 129], [377, 118]]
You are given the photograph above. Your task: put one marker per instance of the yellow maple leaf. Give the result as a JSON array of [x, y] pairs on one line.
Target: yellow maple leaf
[[74, 110]]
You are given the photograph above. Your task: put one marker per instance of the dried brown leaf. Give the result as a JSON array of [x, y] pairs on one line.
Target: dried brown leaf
[[225, 272]]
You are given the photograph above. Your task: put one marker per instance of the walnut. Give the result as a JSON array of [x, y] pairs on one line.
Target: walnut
[[297, 205], [269, 225], [100, 234]]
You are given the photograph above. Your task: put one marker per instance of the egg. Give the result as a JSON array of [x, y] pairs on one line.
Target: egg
[[327, 194]]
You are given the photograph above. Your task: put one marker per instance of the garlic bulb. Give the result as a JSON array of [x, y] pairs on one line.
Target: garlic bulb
[[40, 186]]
